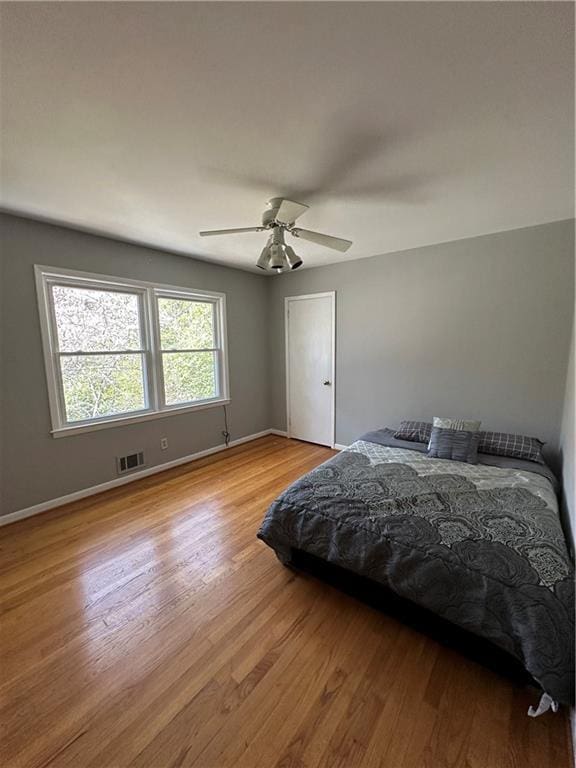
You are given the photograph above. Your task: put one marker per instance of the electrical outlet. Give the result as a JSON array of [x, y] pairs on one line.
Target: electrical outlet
[[163, 443]]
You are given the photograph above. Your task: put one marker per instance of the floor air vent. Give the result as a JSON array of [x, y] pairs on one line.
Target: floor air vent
[[130, 462]]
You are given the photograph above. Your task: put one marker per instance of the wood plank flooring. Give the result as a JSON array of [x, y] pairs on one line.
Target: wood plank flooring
[[148, 627]]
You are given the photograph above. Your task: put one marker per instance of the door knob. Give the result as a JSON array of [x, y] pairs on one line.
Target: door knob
[[327, 383]]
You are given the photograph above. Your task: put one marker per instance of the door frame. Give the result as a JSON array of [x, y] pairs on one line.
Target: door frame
[[287, 299]]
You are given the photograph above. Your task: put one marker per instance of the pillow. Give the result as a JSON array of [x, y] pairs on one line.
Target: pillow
[[514, 446], [414, 431], [467, 425], [455, 439]]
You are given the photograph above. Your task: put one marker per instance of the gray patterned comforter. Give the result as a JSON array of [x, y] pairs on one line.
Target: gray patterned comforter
[[479, 545]]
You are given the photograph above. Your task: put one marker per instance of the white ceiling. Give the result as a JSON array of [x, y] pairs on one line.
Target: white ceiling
[[400, 124]]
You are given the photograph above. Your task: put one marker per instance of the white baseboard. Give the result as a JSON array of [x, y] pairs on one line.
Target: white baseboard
[[44, 506], [283, 433]]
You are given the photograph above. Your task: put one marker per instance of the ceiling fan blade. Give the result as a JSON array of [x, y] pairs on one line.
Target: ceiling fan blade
[[210, 232], [289, 211], [337, 243]]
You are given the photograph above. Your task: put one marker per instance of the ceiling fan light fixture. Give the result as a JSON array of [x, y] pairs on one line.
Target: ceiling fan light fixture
[[264, 260], [277, 256], [294, 261]]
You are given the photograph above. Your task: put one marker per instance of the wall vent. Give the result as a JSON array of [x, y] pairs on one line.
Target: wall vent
[[130, 462]]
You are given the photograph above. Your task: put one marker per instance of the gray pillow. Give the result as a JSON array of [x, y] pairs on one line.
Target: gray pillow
[[414, 431], [515, 446], [455, 439]]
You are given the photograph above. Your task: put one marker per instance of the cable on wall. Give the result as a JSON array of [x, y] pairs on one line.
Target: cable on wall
[[225, 431]]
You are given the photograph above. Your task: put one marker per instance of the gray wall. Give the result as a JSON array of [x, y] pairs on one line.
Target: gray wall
[[567, 447], [477, 327], [38, 467]]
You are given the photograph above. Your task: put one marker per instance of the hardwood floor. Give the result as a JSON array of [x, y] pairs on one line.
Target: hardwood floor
[[148, 627]]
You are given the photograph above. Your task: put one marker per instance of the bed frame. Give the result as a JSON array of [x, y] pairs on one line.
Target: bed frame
[[381, 598]]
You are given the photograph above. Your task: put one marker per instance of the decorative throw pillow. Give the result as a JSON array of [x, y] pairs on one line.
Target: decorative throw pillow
[[514, 446], [414, 431], [468, 425], [455, 439]]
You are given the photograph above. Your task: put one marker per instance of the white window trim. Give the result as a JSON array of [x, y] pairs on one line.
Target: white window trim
[[148, 292]]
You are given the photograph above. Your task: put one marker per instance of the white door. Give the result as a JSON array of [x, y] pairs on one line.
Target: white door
[[310, 367]]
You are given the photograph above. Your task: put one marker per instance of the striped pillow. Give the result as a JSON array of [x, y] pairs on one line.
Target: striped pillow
[[455, 439], [468, 425]]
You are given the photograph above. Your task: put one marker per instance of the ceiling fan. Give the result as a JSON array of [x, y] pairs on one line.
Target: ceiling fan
[[279, 217]]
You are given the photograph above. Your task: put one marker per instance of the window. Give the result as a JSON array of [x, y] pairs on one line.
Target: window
[[118, 351], [189, 349], [101, 354]]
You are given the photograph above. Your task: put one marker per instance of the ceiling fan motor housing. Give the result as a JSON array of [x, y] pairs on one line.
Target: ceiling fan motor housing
[[269, 215]]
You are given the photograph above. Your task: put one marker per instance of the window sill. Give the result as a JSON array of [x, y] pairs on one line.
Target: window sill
[[124, 420]]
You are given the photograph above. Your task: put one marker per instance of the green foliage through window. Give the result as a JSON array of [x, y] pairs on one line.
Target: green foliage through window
[[187, 325], [102, 350], [102, 385], [189, 376]]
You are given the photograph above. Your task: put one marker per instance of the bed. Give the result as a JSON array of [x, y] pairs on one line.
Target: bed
[[480, 545]]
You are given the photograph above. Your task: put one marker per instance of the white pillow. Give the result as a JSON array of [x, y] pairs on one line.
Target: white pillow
[[468, 425]]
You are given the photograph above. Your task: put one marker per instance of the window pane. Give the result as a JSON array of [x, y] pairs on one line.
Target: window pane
[[96, 321], [186, 324], [102, 385], [189, 376]]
